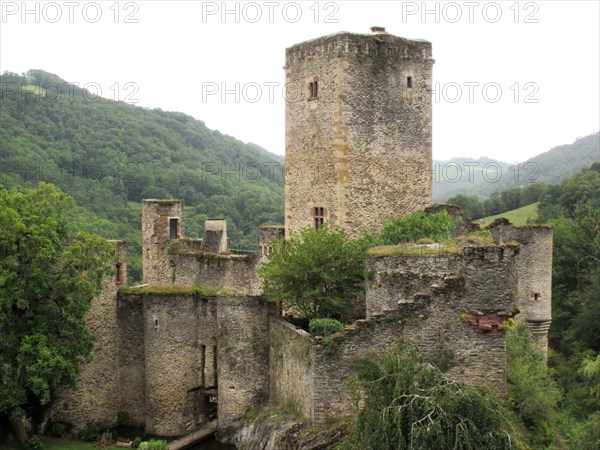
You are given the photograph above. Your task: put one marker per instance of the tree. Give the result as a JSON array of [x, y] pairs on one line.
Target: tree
[[48, 277], [317, 272], [412, 405]]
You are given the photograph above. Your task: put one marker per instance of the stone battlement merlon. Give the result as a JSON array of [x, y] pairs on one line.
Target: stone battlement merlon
[[341, 44]]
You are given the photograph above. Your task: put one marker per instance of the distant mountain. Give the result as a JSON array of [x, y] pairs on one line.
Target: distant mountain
[[481, 177], [110, 155]]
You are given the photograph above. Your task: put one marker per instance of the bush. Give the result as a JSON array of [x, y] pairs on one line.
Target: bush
[[154, 445], [436, 227], [532, 393], [58, 429], [410, 405], [136, 442], [325, 327], [92, 432], [35, 443]]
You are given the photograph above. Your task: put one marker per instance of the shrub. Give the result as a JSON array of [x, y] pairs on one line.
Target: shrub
[[410, 405], [436, 227], [136, 442], [154, 445], [532, 393], [58, 429], [325, 327], [35, 443]]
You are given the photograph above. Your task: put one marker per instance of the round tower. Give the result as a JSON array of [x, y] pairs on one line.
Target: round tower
[[162, 221], [358, 130]]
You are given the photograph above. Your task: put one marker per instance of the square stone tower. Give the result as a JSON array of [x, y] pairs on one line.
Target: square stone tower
[[358, 130]]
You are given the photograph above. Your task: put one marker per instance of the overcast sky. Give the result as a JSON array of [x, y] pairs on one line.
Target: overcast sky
[[511, 79]]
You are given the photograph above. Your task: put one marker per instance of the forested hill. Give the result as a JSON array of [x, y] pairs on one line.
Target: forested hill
[[110, 155], [452, 177]]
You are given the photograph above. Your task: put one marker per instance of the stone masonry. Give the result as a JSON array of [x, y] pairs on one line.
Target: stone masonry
[[359, 147], [197, 338]]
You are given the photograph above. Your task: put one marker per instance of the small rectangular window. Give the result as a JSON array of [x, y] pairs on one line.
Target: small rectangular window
[[318, 214], [119, 273], [173, 228], [409, 82], [313, 89]]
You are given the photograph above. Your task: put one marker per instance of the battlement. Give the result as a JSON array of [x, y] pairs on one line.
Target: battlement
[[344, 44]]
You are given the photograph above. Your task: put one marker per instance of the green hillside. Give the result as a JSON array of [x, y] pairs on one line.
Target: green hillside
[[464, 176], [110, 155], [518, 217]]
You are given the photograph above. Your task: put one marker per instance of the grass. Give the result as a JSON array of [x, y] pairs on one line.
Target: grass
[[517, 217], [175, 290], [59, 444]]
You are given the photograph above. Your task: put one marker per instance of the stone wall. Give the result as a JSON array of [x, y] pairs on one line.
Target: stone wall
[[156, 236], [96, 398], [268, 234], [131, 360], [173, 326], [362, 149], [243, 355], [534, 285], [291, 371], [452, 313], [233, 272]]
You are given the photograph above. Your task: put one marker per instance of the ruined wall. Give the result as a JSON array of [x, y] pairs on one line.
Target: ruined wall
[[534, 285], [268, 234], [362, 149], [234, 272], [291, 372], [96, 398], [454, 318], [243, 355], [156, 237]]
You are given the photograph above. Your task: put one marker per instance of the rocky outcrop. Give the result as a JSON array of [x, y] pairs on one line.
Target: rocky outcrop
[[273, 432]]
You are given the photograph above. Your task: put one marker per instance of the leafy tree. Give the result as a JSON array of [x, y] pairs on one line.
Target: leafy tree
[[411, 405], [316, 272], [470, 205], [532, 393], [48, 277]]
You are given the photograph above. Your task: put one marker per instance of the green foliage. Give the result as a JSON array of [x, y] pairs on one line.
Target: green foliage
[[35, 443], [136, 442], [325, 327], [532, 393], [317, 273], [92, 431], [110, 155], [410, 405], [154, 445], [415, 226], [58, 429], [48, 277]]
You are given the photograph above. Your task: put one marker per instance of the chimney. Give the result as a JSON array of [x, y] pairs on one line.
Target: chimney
[[378, 30]]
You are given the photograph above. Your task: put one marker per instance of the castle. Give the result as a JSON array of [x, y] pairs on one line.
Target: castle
[[197, 341]]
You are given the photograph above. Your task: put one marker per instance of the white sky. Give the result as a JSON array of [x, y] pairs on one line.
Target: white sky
[[178, 52]]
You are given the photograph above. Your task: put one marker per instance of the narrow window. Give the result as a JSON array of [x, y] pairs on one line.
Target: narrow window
[[202, 364], [119, 273], [215, 365], [173, 228], [409, 82], [318, 214], [313, 89], [537, 295]]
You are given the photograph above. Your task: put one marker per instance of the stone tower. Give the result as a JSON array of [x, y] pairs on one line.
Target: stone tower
[[162, 221], [358, 130]]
